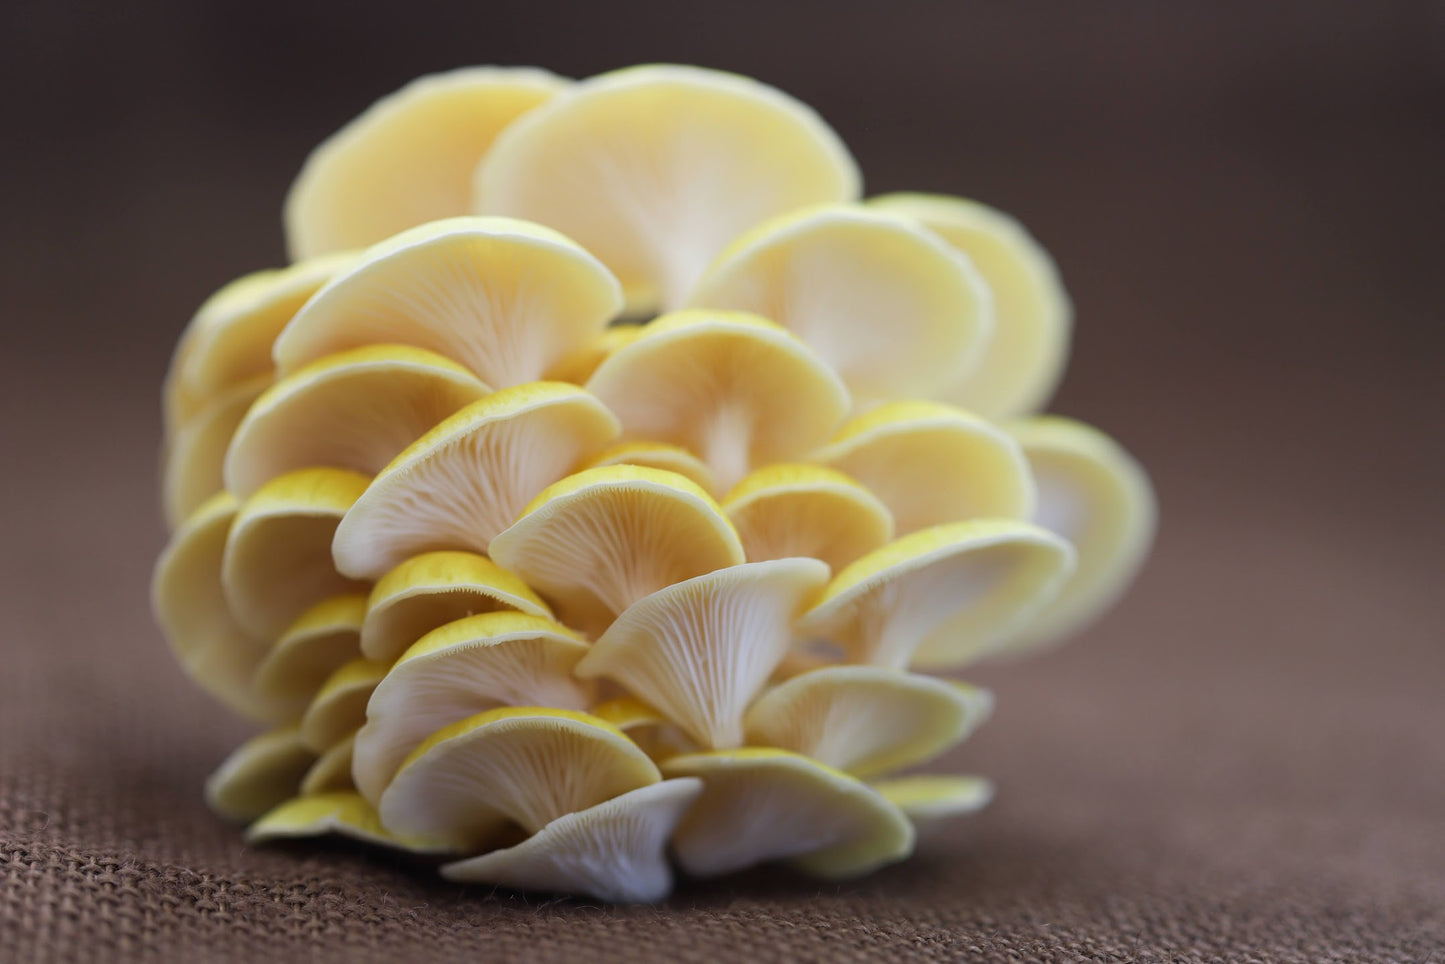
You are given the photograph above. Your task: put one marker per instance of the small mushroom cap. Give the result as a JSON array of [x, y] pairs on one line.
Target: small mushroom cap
[[658, 455], [866, 720], [277, 562], [1097, 496], [332, 770], [408, 158], [353, 410], [930, 800], [318, 643], [599, 540], [194, 460], [259, 774], [339, 708], [614, 851], [468, 477], [884, 301], [342, 813], [1023, 362], [932, 464], [761, 804], [734, 388], [461, 669], [787, 510], [506, 299], [942, 596], [656, 168], [528, 765], [701, 649], [433, 589]]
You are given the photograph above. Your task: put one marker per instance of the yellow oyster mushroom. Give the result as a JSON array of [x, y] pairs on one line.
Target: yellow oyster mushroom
[[468, 478], [353, 410], [1022, 364], [408, 158], [1097, 496], [866, 720], [658, 455], [598, 541], [523, 765], [339, 707], [340, 813], [656, 168], [194, 460], [259, 774], [277, 562], [787, 510], [318, 643], [884, 301], [760, 805], [734, 388], [932, 463], [942, 596], [506, 299], [930, 800], [614, 851], [436, 588], [458, 670], [332, 770], [701, 649]]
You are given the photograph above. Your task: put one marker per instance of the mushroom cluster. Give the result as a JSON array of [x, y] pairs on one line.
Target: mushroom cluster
[[594, 488]]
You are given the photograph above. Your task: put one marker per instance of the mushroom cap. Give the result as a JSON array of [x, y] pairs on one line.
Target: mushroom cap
[[1097, 496], [598, 541], [885, 302], [929, 800], [784, 510], [524, 765], [656, 168], [258, 774], [353, 410], [761, 804], [277, 561], [193, 466], [1023, 362], [942, 596], [506, 299], [658, 455], [468, 477], [339, 707], [319, 642], [461, 669], [433, 589], [614, 851], [866, 720], [932, 463], [332, 770], [733, 388], [342, 813], [408, 158]]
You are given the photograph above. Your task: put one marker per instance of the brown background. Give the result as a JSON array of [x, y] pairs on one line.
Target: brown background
[[1246, 761]]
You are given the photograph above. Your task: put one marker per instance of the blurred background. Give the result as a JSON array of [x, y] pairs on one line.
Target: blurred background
[[1245, 200]]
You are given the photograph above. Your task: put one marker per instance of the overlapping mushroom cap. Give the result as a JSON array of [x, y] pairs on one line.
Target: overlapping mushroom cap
[[518, 574]]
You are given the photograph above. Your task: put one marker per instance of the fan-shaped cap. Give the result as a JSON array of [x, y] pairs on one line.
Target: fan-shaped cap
[[194, 458], [599, 540], [1024, 360], [278, 555], [339, 707], [941, 596], [332, 770], [884, 301], [657, 168], [353, 410], [527, 765], [732, 387], [468, 478], [615, 851], [1096, 495], [430, 590], [342, 813], [760, 805], [932, 463], [866, 720], [317, 644], [408, 158], [504, 298], [258, 774], [658, 455], [701, 649], [787, 510], [461, 669], [930, 800]]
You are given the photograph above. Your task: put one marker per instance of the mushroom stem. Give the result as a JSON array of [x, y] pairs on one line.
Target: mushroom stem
[[726, 443]]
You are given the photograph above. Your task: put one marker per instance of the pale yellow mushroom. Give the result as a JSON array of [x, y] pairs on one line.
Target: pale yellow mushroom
[[342, 813], [193, 466], [932, 800], [408, 158], [317, 644], [469, 477], [658, 455], [258, 775], [787, 510], [331, 773], [656, 168], [339, 707]]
